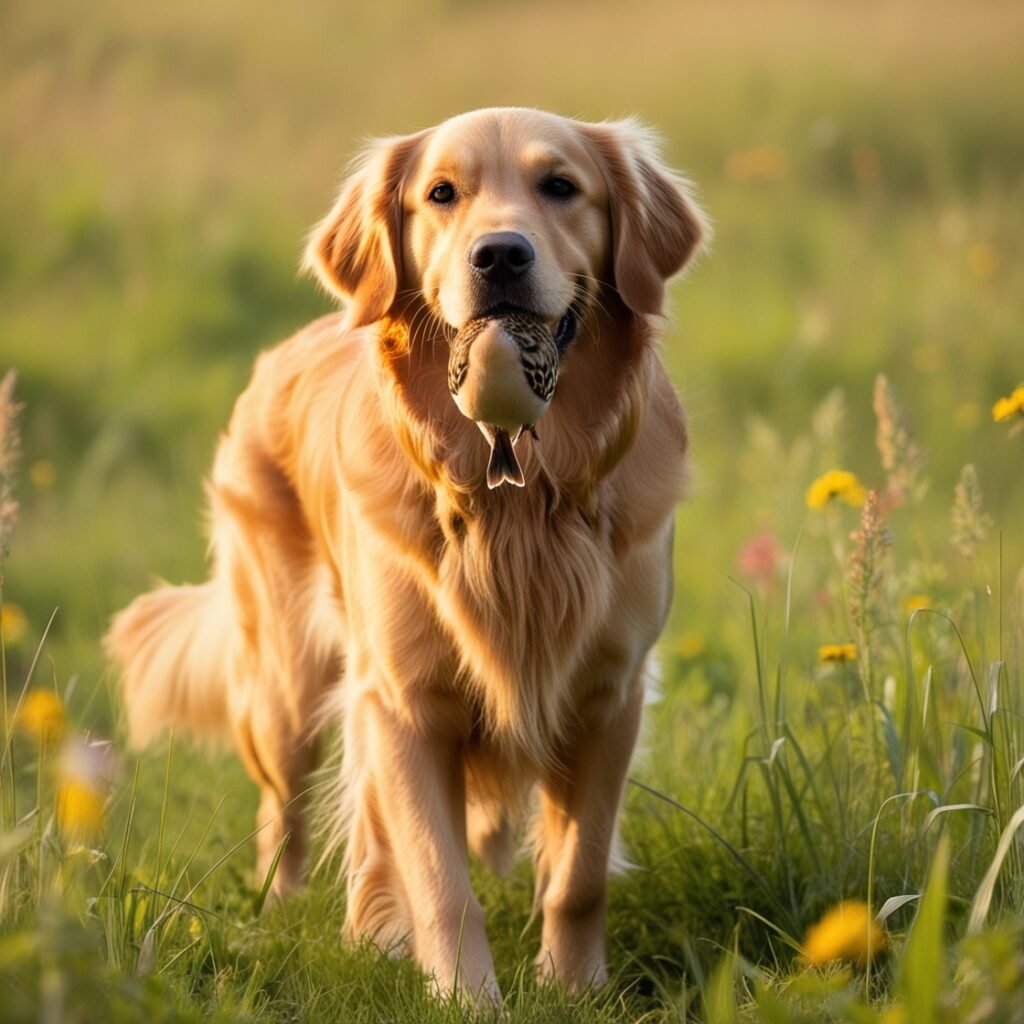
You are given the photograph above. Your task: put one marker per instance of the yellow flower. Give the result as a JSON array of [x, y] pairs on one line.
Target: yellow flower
[[691, 645], [836, 483], [1008, 407], [916, 602], [983, 259], [43, 474], [85, 770], [767, 162], [42, 716], [837, 652], [14, 623], [844, 933], [80, 810]]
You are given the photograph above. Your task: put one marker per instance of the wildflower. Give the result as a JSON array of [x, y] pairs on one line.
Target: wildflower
[[10, 451], [768, 162], [81, 793], [837, 652], [866, 163], [983, 259], [80, 811], [43, 474], [759, 557], [836, 483], [867, 561], [13, 622], [916, 602], [903, 459], [691, 645], [1010, 406], [42, 716], [846, 932], [971, 522]]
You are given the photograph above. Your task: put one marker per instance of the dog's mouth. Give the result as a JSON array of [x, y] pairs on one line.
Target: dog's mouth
[[565, 329]]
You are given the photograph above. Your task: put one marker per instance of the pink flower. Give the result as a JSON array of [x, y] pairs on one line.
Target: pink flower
[[758, 558]]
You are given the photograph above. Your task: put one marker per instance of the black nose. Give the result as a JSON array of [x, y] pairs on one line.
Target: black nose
[[501, 256]]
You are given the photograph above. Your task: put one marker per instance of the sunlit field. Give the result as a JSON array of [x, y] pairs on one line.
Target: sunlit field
[[825, 818]]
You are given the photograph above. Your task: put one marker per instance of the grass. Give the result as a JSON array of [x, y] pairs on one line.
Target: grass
[[863, 170]]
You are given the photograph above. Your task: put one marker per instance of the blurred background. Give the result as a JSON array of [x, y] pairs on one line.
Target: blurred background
[[863, 165]]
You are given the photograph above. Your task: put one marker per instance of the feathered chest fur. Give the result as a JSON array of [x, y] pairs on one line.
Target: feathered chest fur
[[524, 590], [521, 580]]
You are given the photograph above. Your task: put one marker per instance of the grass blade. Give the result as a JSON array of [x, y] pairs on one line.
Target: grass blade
[[261, 898], [983, 897], [923, 966], [755, 875]]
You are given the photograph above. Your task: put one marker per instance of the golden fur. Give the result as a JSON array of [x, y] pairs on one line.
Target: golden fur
[[476, 644]]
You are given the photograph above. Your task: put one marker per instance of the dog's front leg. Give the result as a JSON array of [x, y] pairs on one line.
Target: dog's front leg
[[419, 781], [578, 807]]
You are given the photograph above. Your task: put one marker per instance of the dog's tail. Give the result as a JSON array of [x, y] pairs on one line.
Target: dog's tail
[[173, 646]]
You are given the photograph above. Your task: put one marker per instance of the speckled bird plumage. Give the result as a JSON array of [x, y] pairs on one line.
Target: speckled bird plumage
[[539, 359]]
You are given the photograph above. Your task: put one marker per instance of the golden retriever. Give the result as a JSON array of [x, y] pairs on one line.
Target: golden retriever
[[478, 645]]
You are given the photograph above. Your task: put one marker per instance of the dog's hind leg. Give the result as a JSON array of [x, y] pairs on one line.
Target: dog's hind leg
[[279, 761], [283, 656]]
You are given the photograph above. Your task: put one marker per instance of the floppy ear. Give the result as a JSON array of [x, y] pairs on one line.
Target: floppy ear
[[657, 226], [356, 250]]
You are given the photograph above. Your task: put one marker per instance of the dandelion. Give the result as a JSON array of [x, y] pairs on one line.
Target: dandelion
[[85, 770], [916, 602], [836, 483], [846, 932], [837, 653], [1009, 407], [42, 716], [80, 810], [971, 523], [903, 459], [13, 623], [691, 645]]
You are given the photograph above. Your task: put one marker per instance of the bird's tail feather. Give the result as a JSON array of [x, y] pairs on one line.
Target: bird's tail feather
[[503, 464]]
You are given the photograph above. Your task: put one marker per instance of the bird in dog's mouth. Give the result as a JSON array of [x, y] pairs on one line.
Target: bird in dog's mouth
[[502, 373]]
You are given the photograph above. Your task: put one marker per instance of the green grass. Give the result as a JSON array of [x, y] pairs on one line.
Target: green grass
[[161, 167]]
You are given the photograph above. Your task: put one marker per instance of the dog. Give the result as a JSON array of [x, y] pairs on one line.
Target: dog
[[483, 648]]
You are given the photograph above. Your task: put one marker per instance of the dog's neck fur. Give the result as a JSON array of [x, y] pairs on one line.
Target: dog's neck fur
[[522, 640]]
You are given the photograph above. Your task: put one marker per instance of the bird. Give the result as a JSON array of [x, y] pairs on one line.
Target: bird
[[502, 373]]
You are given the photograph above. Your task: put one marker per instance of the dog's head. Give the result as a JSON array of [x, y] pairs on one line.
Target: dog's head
[[507, 209]]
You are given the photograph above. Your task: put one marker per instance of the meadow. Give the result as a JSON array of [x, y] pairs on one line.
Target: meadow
[[838, 716]]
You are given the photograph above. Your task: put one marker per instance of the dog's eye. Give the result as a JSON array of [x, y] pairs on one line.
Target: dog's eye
[[442, 194], [558, 188]]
